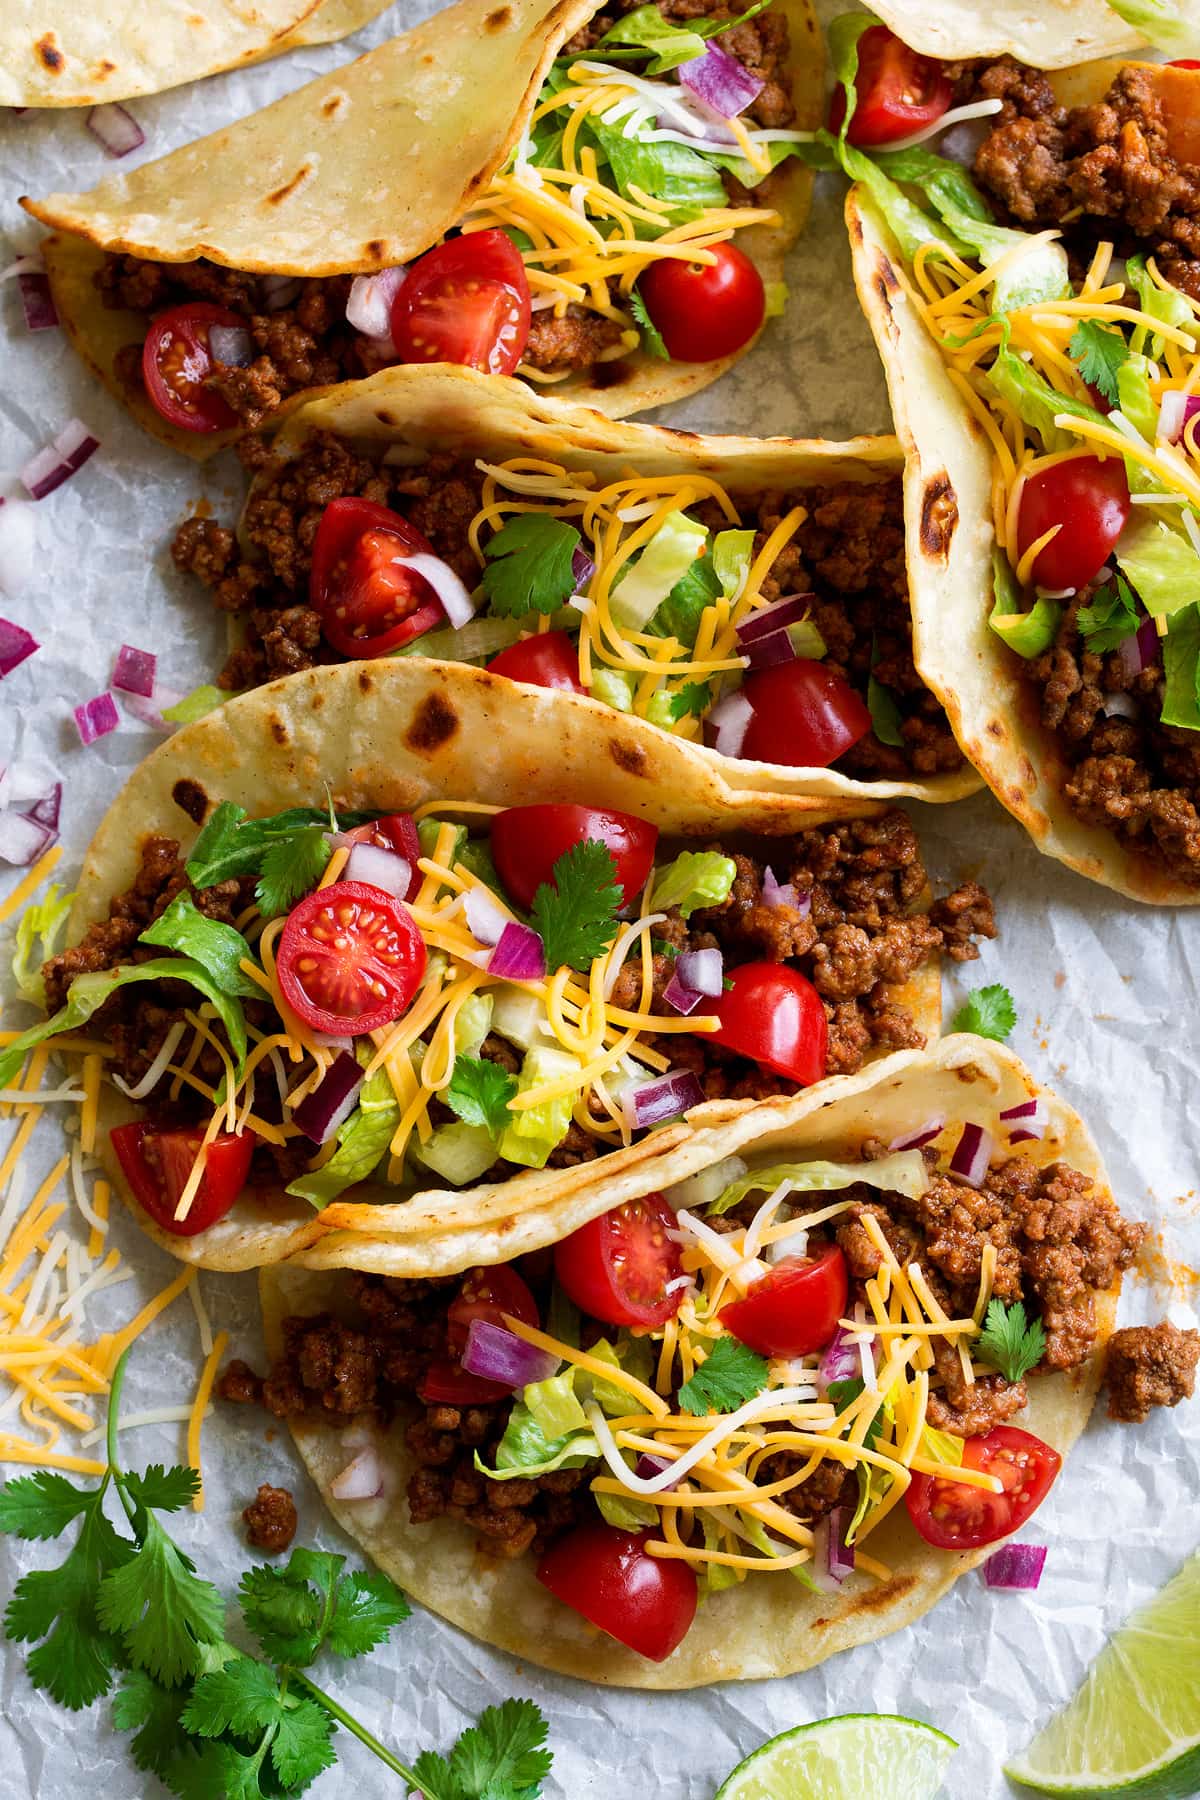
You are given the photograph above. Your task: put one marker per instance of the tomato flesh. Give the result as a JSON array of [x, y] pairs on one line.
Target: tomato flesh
[[396, 832], [646, 1602], [485, 1294], [704, 310], [806, 715], [465, 302], [795, 1309], [157, 1160], [548, 660], [773, 1015], [1089, 498], [953, 1516], [350, 958], [616, 1268], [527, 841], [369, 599], [899, 91], [177, 360]]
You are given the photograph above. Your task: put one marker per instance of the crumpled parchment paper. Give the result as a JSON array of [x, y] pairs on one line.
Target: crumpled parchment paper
[[1108, 999]]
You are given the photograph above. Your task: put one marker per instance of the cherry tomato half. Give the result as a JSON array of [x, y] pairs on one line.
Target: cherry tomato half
[[899, 91], [157, 1161], [176, 360], [350, 958], [396, 832], [465, 302], [616, 1268], [646, 1602], [953, 1516], [773, 1015], [805, 715], [1089, 498], [704, 310], [369, 599], [485, 1294], [549, 659], [527, 841], [793, 1310]]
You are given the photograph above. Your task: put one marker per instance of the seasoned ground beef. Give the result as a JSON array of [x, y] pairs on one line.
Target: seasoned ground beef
[[271, 1519], [1148, 1366]]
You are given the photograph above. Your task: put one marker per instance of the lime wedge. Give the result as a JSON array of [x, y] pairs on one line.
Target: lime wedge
[[846, 1759], [1134, 1725]]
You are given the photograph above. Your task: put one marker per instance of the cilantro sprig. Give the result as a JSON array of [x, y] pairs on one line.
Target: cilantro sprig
[[530, 566], [479, 1092], [1098, 355], [1010, 1340], [989, 1012], [576, 911], [730, 1375], [207, 1718], [692, 701], [1111, 617]]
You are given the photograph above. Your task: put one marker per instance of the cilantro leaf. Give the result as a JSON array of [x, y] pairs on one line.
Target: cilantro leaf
[[1098, 354], [153, 1713], [291, 867], [232, 844], [365, 1609], [731, 1374], [577, 916], [479, 1092], [74, 1664], [243, 1698], [166, 1490], [41, 1505], [693, 699], [293, 1610], [1010, 1341], [530, 565], [284, 1614], [504, 1752], [989, 1012], [301, 1747], [842, 1393], [435, 1779], [160, 1608], [1111, 618], [652, 338]]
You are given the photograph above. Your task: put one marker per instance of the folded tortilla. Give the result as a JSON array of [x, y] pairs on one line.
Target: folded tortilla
[[367, 167], [59, 54], [769, 1625], [1050, 34]]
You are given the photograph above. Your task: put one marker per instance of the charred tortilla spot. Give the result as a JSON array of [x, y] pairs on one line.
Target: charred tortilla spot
[[856, 230], [677, 431], [630, 757], [886, 278], [366, 681], [1028, 772], [333, 105], [289, 187], [279, 730], [882, 1598], [995, 728], [376, 249], [385, 417], [496, 21], [106, 67], [318, 700], [190, 798], [611, 374], [49, 52], [434, 724], [939, 516]]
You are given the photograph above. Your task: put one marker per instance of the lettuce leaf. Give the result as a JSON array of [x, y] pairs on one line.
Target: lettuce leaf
[[38, 931], [1181, 665], [1035, 401], [695, 878], [910, 224], [362, 1142], [525, 1450], [661, 566], [535, 1131], [1159, 564], [903, 1172], [1160, 303], [216, 946], [1028, 633], [1162, 23], [645, 29]]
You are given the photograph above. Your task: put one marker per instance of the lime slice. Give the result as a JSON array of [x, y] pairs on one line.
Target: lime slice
[[1134, 1725], [846, 1759]]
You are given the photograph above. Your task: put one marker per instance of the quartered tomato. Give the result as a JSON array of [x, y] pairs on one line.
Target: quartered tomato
[[548, 660], [465, 302], [527, 841], [1089, 498], [773, 1015], [953, 1516], [176, 359], [156, 1161], [485, 1294], [704, 310], [396, 832], [795, 1309], [616, 1268], [646, 1602], [350, 958], [899, 91], [369, 599], [805, 715]]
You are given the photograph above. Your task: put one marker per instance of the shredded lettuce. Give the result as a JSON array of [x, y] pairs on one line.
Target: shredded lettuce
[[714, 1577], [680, 614], [38, 932], [535, 1132], [940, 1446], [1181, 666], [1028, 633], [1035, 401], [614, 686], [525, 1450], [1136, 401], [663, 563], [1159, 564], [634, 1355], [216, 946], [626, 1511], [458, 1152], [695, 878], [1166, 304], [686, 182], [362, 1142], [554, 1406], [732, 554], [645, 29], [472, 1024], [843, 34], [904, 1172], [910, 224], [1161, 22], [482, 637], [196, 705]]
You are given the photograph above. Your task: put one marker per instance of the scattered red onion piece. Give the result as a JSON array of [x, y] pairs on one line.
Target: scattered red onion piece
[[279, 291], [379, 868], [15, 645], [45, 810], [972, 1154], [133, 671], [231, 345], [484, 917], [840, 1553], [720, 82], [320, 1113], [730, 720], [1175, 413], [701, 970], [683, 999], [96, 718], [665, 1098], [37, 301], [648, 1466], [1015, 1567], [1028, 1121], [520, 954], [22, 840], [496, 1354], [1141, 650], [582, 567], [840, 1361], [765, 621], [924, 1134], [116, 128], [148, 708], [777, 893], [457, 603], [361, 1479], [1120, 706], [60, 460], [369, 306], [768, 651]]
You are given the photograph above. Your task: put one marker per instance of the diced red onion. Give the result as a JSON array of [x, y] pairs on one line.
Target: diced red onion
[[840, 1361], [1016, 1566], [1140, 650], [148, 708], [231, 345], [133, 671], [702, 970], [777, 893], [1175, 412], [18, 549], [832, 1559], [1119, 706], [769, 651], [582, 567], [683, 999], [456, 601], [665, 1098], [648, 1466], [24, 782], [369, 307], [37, 301], [1028, 1121], [45, 810], [60, 460], [379, 868], [520, 954], [279, 291], [924, 1134], [96, 718], [320, 1113], [485, 919], [840, 1553], [767, 620], [116, 128], [972, 1154], [496, 1354], [22, 840], [720, 81], [730, 720], [361, 1479], [15, 645]]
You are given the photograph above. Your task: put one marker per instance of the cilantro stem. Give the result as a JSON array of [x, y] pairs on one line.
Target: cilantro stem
[[114, 1411], [353, 1725]]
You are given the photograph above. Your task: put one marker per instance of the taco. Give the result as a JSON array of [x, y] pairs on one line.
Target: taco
[[897, 1287], [70, 55], [468, 940], [641, 566], [571, 198], [1041, 370]]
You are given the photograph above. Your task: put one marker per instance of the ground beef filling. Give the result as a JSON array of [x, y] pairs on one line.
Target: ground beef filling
[[271, 1519], [1148, 1366]]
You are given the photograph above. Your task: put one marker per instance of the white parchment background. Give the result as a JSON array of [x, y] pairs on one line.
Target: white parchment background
[[1108, 1004]]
